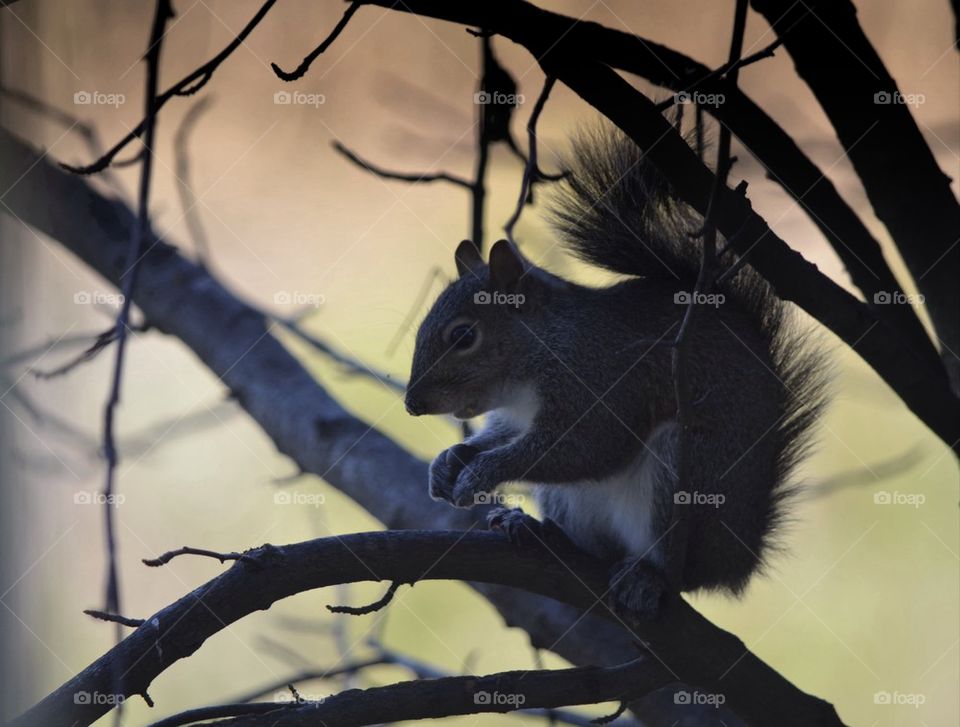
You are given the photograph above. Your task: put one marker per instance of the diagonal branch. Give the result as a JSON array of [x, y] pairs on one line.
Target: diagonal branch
[[909, 192], [682, 643], [444, 697]]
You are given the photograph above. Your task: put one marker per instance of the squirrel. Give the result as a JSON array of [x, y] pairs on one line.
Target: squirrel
[[577, 386]]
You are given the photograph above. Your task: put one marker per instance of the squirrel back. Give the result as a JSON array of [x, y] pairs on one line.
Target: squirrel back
[[617, 211]]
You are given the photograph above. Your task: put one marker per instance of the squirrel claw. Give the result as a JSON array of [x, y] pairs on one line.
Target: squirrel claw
[[525, 530], [446, 468], [638, 588]]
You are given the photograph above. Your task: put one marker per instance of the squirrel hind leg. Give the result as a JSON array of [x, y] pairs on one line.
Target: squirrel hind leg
[[638, 588]]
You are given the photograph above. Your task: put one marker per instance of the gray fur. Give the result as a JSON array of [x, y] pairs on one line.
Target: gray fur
[[578, 387]]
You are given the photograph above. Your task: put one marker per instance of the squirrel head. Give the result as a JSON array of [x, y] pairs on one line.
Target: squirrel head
[[474, 335]]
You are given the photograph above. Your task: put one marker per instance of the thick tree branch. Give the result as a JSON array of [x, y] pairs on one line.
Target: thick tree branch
[[447, 696], [683, 645], [909, 192]]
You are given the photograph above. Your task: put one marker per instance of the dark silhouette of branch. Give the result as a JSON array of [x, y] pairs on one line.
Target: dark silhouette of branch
[[909, 192], [186, 86], [316, 52], [371, 607], [136, 246], [911, 366], [387, 657], [188, 200], [685, 645], [99, 344], [425, 177], [530, 169], [447, 696], [113, 618], [187, 550]]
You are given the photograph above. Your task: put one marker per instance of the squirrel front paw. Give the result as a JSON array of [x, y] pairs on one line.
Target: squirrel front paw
[[475, 480], [446, 468]]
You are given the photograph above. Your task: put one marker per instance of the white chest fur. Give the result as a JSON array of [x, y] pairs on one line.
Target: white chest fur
[[518, 408], [616, 511]]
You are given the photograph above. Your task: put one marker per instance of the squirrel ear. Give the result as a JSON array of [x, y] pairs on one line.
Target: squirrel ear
[[468, 258], [506, 266]]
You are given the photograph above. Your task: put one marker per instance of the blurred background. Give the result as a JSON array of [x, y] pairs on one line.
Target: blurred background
[[863, 604]]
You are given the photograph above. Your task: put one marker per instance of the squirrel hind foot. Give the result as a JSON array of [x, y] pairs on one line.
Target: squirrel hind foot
[[524, 530], [638, 588]]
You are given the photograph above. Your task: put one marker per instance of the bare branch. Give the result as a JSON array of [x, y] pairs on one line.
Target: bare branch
[[187, 550], [186, 86], [371, 607], [414, 177], [687, 646], [316, 52], [188, 200], [447, 696], [530, 169], [114, 618]]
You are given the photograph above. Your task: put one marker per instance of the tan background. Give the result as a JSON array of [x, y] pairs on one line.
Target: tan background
[[867, 600]]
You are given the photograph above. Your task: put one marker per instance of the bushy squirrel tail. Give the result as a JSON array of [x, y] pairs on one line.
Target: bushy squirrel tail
[[617, 211]]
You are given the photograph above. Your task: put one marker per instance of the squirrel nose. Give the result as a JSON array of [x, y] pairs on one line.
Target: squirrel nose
[[413, 407]]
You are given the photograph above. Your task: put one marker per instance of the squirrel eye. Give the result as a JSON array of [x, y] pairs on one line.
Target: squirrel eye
[[463, 336]]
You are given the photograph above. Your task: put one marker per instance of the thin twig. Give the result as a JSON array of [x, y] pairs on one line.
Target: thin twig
[[186, 86], [114, 618], [187, 550], [188, 200], [163, 12], [729, 70], [316, 52], [100, 344], [414, 177], [371, 607], [530, 169], [683, 389]]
